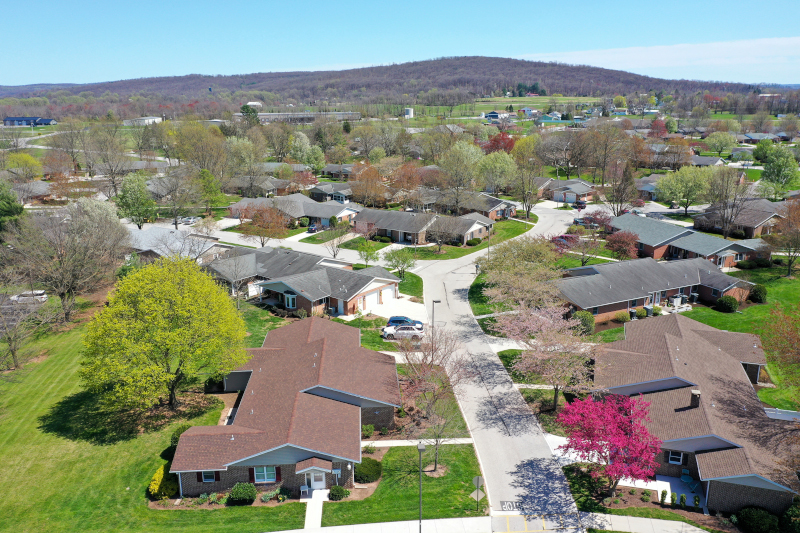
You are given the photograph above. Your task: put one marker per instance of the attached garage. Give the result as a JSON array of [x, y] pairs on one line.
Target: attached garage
[[387, 295], [372, 299], [570, 197]]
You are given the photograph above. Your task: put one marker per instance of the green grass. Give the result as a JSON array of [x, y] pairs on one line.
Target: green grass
[[70, 461], [234, 244], [353, 244], [573, 261], [411, 285], [541, 403], [508, 357], [258, 322], [397, 495], [503, 230], [486, 325], [534, 218], [777, 397], [319, 237], [611, 335], [588, 495], [753, 174], [370, 333], [679, 217], [478, 301]]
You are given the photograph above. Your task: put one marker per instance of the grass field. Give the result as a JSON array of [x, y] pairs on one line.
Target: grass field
[[353, 244], [258, 322], [74, 464], [397, 495], [319, 237], [370, 333], [411, 285], [478, 301], [503, 230]]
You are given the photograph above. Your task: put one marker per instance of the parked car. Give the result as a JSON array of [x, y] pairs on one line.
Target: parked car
[[192, 220], [579, 221], [579, 204], [313, 228], [402, 321], [29, 297], [402, 332]]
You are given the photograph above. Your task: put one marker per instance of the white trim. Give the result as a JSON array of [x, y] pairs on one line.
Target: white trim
[[349, 394], [293, 446], [669, 457], [312, 468], [266, 474], [213, 476]]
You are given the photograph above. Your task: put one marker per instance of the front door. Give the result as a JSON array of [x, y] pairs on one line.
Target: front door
[[317, 480]]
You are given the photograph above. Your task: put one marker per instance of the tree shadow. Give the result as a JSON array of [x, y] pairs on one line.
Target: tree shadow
[[543, 487], [84, 417]]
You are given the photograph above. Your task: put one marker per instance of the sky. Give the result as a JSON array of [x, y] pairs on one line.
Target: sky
[[91, 41]]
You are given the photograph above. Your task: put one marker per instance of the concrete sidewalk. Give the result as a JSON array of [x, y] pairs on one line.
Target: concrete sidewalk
[[314, 508], [480, 524], [413, 442], [635, 524]]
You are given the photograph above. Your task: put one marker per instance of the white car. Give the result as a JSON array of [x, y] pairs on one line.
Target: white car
[[414, 332], [29, 297]]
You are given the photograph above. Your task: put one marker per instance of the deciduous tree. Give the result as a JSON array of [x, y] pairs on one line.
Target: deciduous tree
[[780, 168], [495, 171], [24, 166], [166, 323], [400, 259], [460, 164], [622, 244], [620, 189], [786, 237], [209, 190], [134, 201], [337, 236], [612, 432], [10, 208], [727, 193], [720, 141], [688, 186], [265, 223]]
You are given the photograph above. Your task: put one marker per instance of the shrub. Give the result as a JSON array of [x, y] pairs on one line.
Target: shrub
[[757, 520], [401, 413], [338, 493], [473, 242], [758, 294], [242, 494], [385, 239], [303, 222], [301, 313], [683, 501], [673, 498], [622, 316], [777, 260], [177, 434], [727, 304], [606, 501], [368, 470], [367, 431], [384, 431], [737, 234], [647, 492], [645, 498], [163, 484], [267, 496], [203, 498], [586, 327], [745, 265], [641, 313], [292, 225], [657, 310], [663, 496], [616, 501], [638, 203], [212, 498], [696, 501], [632, 492], [763, 262], [790, 520], [369, 449], [575, 229]]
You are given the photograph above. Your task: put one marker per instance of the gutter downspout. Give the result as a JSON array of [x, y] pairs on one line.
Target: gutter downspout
[[180, 485]]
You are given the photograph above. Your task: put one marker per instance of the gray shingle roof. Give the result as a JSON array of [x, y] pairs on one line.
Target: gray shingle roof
[[650, 231], [395, 220], [479, 218], [166, 242], [334, 282]]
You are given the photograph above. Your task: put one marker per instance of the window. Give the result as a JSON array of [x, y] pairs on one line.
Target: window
[[715, 292], [682, 290], [634, 303], [208, 477], [265, 474], [291, 301], [675, 458], [663, 294], [640, 246], [739, 257], [594, 310]]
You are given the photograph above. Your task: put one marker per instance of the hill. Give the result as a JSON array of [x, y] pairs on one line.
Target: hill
[[475, 75]]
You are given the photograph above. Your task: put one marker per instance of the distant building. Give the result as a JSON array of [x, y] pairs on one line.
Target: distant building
[[408, 112], [254, 104], [29, 121], [142, 121]]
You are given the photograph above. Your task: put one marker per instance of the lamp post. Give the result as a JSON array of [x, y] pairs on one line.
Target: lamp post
[[421, 448], [433, 318]]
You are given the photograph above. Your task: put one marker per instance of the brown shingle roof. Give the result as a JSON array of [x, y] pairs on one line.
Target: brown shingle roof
[[723, 463], [276, 409], [313, 462]]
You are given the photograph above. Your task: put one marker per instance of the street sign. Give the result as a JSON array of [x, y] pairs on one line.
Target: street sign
[[337, 471], [477, 481], [477, 495]]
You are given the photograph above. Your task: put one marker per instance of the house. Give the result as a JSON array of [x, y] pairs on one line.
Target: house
[[647, 186], [606, 289], [496, 115], [296, 206], [451, 129], [699, 383], [569, 191], [445, 200], [706, 161], [273, 168], [32, 190], [755, 138], [662, 240], [154, 242], [529, 112], [341, 192], [419, 228], [338, 172], [298, 421], [757, 217], [142, 121], [29, 121]]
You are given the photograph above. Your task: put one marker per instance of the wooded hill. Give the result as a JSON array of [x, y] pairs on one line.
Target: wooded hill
[[474, 75]]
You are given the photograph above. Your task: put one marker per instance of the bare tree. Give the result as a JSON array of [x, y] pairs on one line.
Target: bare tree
[[177, 190], [608, 144], [620, 190], [444, 230], [727, 194], [68, 140], [12, 138], [265, 223], [67, 252], [235, 268], [588, 246], [338, 235], [108, 143]]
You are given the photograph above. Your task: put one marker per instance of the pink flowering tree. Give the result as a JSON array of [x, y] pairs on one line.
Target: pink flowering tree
[[623, 244], [612, 433]]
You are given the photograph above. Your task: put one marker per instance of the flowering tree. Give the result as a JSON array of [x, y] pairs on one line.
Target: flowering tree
[[657, 129], [622, 244], [612, 433], [501, 141]]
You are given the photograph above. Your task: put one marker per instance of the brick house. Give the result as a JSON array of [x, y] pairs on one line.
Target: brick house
[[296, 206], [569, 191], [608, 288], [299, 415], [756, 218], [663, 240], [703, 406], [420, 228], [154, 242], [341, 192]]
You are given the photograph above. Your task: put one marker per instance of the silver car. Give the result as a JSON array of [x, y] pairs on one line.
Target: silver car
[[414, 332]]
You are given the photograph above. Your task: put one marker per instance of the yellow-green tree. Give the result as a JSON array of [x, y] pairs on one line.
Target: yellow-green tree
[[165, 324]]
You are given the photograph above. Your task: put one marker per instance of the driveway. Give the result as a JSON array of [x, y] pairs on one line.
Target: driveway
[[521, 474]]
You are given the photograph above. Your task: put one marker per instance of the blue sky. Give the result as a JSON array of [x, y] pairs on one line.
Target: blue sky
[[92, 41]]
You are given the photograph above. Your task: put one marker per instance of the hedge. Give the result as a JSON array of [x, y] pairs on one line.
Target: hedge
[[790, 521], [763, 262], [727, 304], [368, 470], [586, 327], [176, 435], [338, 493], [641, 313], [758, 294], [746, 264], [473, 242], [163, 484], [757, 520], [622, 316], [242, 494]]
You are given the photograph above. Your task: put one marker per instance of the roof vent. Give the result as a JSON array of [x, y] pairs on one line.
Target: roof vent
[[251, 411], [231, 437]]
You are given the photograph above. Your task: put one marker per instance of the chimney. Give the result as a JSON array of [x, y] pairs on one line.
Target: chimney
[[695, 398]]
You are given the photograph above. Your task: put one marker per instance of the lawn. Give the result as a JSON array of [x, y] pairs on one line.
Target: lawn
[[611, 335], [258, 322], [319, 237], [679, 217], [508, 357], [478, 301], [503, 230], [243, 228], [72, 462], [370, 333], [586, 492], [411, 285], [573, 261], [353, 244], [397, 495], [541, 403]]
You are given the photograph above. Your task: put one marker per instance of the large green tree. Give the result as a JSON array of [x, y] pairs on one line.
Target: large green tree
[[720, 141], [780, 167], [210, 190], [165, 324], [134, 201], [685, 187], [10, 208]]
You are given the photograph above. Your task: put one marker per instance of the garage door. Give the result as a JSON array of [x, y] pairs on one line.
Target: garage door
[[372, 299], [570, 197], [388, 294]]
